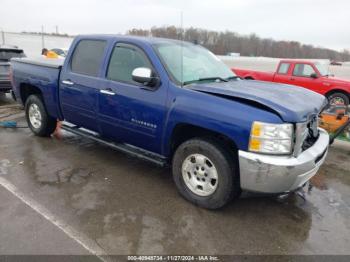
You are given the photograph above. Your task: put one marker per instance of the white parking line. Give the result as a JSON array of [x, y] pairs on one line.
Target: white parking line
[[80, 238]]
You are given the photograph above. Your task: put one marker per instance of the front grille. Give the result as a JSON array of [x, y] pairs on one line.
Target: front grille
[[312, 134], [308, 142], [306, 135]]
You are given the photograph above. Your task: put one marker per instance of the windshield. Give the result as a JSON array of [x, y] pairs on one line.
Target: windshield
[[8, 54], [189, 63], [322, 68]]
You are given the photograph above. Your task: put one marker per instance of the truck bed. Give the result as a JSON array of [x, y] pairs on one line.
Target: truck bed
[[40, 61], [42, 73], [255, 75]]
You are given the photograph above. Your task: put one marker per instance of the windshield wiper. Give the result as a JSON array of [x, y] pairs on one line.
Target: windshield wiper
[[233, 77], [206, 79]]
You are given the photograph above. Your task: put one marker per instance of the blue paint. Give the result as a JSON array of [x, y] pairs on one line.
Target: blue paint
[[147, 118]]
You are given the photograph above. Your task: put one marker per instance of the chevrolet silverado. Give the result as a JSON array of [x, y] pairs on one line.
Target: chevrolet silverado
[[175, 103]]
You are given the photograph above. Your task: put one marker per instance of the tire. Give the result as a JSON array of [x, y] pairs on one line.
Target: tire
[[220, 191], [13, 95], [343, 98], [38, 120]]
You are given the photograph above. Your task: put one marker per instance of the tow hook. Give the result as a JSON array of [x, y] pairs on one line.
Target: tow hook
[[300, 192]]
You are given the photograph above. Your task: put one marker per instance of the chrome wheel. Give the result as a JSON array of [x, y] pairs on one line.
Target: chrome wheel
[[336, 101], [200, 175], [35, 117]]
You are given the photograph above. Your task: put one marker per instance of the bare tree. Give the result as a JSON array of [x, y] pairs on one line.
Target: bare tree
[[247, 45]]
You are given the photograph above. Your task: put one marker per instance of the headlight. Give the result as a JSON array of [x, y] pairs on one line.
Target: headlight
[[271, 138]]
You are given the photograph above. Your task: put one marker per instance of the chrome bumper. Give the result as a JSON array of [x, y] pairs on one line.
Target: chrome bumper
[[278, 174]]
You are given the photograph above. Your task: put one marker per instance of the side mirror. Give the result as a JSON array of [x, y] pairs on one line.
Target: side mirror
[[314, 75], [144, 76]]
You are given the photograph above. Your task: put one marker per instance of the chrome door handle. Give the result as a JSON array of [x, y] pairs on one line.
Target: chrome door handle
[[107, 92], [67, 82]]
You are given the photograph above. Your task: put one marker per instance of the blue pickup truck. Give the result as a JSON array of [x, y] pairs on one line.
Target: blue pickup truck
[[175, 103]]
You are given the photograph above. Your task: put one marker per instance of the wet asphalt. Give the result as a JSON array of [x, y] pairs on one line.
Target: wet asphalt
[[123, 205]]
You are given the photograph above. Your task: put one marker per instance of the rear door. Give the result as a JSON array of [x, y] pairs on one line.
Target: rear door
[[80, 83]]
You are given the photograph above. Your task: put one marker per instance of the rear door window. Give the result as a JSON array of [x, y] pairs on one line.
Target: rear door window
[[283, 69], [88, 56]]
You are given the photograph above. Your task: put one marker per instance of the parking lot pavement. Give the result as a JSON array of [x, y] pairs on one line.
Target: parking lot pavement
[[109, 203], [25, 232]]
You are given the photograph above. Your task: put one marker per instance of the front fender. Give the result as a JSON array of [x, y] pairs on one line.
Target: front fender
[[228, 117]]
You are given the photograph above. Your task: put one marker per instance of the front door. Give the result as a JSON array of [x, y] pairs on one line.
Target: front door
[[301, 76], [128, 111]]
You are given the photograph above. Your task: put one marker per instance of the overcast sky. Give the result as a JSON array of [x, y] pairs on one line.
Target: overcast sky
[[321, 23]]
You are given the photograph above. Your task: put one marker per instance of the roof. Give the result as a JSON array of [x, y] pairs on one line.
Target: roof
[[10, 47], [150, 40], [303, 61]]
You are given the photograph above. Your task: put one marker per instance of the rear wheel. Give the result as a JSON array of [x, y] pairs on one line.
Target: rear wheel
[[338, 98], [205, 173], [38, 120]]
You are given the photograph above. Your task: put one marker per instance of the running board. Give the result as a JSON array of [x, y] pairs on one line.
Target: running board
[[125, 148]]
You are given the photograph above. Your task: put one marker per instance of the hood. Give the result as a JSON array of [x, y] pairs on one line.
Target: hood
[[336, 80], [293, 104]]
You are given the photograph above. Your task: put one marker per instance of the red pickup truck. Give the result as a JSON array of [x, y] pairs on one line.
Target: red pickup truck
[[308, 74]]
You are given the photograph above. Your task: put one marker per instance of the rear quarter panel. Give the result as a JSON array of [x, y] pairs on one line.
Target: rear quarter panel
[[44, 78]]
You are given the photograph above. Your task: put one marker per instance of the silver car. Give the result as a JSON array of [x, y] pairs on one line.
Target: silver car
[[6, 53]]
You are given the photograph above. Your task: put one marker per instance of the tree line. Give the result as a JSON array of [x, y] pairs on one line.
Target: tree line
[[222, 43]]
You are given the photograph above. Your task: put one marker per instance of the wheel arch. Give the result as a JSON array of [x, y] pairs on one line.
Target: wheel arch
[[26, 90], [183, 132], [338, 90], [249, 77]]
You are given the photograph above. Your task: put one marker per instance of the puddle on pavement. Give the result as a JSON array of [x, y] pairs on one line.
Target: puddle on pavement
[[129, 206]]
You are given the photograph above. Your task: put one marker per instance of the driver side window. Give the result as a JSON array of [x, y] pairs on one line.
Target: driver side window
[[303, 70], [124, 59]]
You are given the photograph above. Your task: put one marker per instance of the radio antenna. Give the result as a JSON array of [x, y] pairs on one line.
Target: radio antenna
[[181, 39]]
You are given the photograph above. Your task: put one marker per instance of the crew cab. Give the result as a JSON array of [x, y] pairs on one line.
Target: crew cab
[[308, 74], [175, 103]]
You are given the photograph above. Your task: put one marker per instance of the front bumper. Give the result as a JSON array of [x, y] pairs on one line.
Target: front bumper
[[279, 174]]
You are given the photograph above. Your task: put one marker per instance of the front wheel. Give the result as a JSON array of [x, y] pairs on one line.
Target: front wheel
[[205, 173], [338, 99], [38, 120]]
